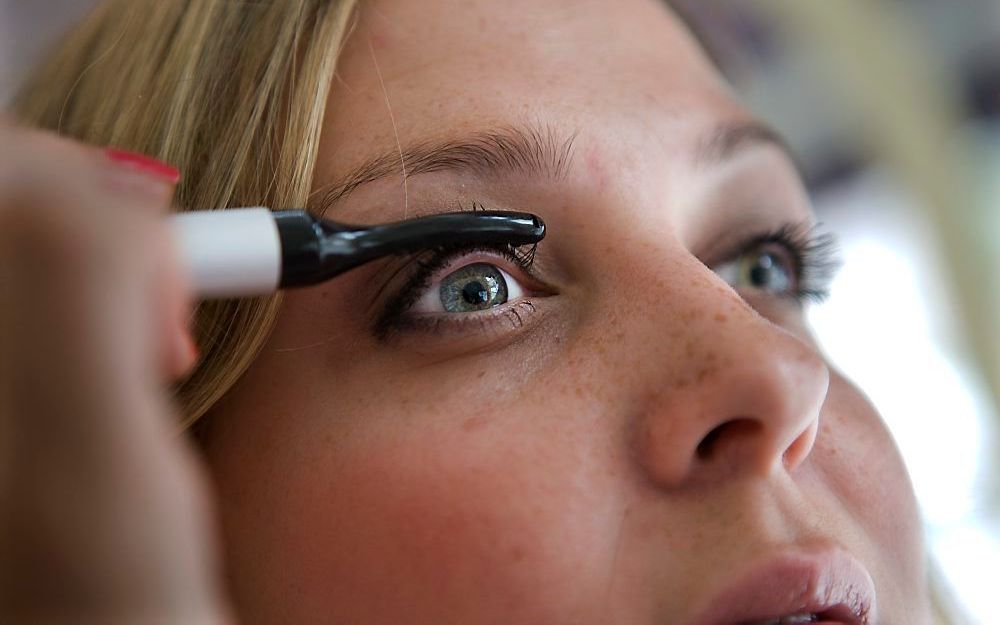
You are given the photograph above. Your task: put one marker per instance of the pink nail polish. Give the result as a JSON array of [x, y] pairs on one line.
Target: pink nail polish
[[144, 164]]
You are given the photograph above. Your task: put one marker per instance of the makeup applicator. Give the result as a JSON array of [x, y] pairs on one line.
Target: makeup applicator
[[254, 251]]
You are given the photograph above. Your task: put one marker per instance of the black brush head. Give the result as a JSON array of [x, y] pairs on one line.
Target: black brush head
[[466, 228], [316, 250]]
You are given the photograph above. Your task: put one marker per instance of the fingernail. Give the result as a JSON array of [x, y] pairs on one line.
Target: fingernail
[[190, 350], [145, 165], [185, 355]]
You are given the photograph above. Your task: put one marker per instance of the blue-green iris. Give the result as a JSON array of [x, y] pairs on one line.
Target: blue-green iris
[[766, 271], [474, 287]]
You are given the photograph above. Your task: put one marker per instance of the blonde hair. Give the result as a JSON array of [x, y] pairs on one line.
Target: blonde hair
[[231, 93]]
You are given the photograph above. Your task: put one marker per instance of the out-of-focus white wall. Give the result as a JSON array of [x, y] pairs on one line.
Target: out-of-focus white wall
[[27, 29]]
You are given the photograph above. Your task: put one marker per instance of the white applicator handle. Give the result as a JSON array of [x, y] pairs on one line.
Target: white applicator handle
[[229, 253]]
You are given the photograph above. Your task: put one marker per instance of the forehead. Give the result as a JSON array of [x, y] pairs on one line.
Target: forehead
[[622, 72]]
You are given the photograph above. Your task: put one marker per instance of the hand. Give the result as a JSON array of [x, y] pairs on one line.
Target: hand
[[104, 513]]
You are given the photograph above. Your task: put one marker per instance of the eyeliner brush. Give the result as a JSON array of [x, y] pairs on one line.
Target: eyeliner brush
[[255, 251]]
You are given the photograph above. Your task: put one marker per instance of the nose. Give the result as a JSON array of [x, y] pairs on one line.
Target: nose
[[743, 396]]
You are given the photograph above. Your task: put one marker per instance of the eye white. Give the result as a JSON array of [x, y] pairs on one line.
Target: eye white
[[430, 300], [730, 272], [740, 273]]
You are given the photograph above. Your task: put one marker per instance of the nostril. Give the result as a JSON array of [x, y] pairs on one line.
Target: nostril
[[729, 433], [704, 450]]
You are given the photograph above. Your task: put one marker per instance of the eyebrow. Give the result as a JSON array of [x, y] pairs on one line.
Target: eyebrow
[[729, 139], [538, 152]]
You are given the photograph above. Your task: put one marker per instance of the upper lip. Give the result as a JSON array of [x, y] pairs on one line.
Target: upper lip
[[828, 582]]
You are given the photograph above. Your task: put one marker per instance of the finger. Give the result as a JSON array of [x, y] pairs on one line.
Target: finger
[[78, 225], [178, 348]]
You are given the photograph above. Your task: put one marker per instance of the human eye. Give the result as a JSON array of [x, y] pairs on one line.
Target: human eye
[[793, 262], [471, 288], [465, 289]]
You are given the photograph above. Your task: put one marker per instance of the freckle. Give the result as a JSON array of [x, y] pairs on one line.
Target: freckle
[[481, 375], [721, 318], [579, 391], [690, 315], [472, 424]]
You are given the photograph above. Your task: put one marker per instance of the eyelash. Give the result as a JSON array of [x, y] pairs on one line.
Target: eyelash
[[814, 256], [522, 257]]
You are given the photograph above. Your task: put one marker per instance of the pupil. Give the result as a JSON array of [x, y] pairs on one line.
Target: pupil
[[761, 273], [473, 288], [476, 294]]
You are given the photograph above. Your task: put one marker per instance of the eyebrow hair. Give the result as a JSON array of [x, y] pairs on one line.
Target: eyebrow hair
[[540, 152], [727, 140], [535, 151]]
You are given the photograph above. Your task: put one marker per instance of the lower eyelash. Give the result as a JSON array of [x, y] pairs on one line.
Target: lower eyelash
[[515, 318], [480, 322]]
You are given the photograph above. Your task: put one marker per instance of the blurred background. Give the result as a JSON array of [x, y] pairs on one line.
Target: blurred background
[[893, 108]]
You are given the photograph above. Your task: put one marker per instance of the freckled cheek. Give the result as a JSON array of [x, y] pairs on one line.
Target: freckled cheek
[[476, 515]]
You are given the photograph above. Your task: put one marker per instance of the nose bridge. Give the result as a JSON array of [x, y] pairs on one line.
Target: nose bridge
[[719, 389]]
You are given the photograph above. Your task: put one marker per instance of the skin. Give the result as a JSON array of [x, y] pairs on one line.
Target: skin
[[551, 473]]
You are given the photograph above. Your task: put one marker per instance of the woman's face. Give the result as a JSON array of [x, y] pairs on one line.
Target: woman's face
[[642, 431]]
